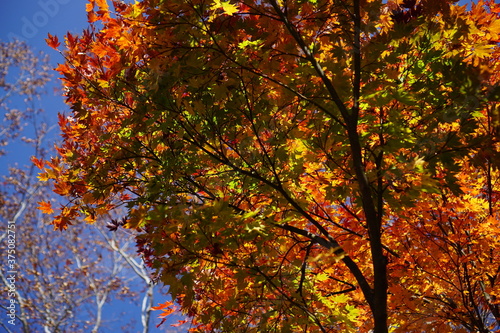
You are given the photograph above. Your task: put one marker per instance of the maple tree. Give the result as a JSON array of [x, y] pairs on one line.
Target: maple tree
[[311, 166], [57, 282]]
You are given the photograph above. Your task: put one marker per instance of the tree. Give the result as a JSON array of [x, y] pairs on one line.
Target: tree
[[54, 282], [312, 166], [22, 74]]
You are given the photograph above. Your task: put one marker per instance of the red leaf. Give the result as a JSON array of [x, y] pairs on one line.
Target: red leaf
[[52, 41]]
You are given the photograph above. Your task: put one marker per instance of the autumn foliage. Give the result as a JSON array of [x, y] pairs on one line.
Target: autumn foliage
[[294, 166]]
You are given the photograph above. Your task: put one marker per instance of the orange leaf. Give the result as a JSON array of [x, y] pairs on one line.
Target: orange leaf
[[45, 207], [52, 41], [103, 5], [61, 223], [89, 6], [162, 306], [179, 323], [167, 309], [62, 188], [91, 17], [37, 162]]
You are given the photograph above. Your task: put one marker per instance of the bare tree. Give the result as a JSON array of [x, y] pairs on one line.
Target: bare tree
[[54, 282]]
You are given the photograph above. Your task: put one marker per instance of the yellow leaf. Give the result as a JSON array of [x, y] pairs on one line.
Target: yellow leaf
[[43, 176], [482, 51], [227, 8], [322, 277], [495, 27], [90, 219]]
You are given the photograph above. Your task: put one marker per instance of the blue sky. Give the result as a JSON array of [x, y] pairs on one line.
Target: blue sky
[[30, 21]]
